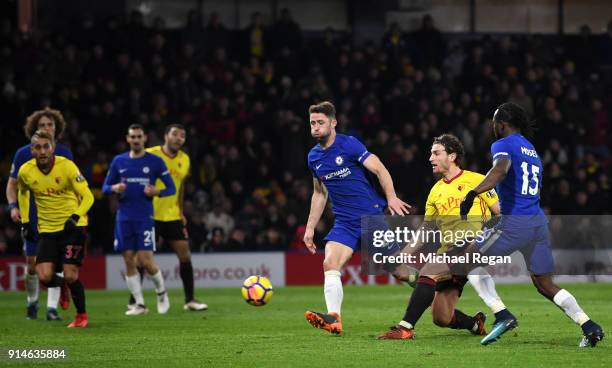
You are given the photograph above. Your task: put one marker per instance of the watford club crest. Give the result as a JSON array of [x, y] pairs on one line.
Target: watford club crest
[[180, 165], [57, 180], [460, 187]]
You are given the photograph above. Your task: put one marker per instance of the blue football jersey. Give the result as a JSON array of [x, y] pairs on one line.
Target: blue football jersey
[[340, 168], [519, 192], [136, 173], [23, 155]]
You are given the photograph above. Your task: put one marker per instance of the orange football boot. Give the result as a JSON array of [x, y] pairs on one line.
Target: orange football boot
[[327, 321], [397, 332], [479, 329], [80, 320]]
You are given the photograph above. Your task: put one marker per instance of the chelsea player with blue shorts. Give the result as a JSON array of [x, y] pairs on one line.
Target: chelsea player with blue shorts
[[338, 164], [132, 176], [517, 176], [52, 122]]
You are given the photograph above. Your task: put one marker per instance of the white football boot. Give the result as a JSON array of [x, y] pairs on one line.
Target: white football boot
[[137, 310], [195, 305], [163, 302]]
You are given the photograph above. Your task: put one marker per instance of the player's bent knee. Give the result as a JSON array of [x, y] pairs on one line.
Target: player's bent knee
[[44, 277], [442, 320], [130, 268], [130, 264], [331, 265], [151, 267], [545, 286]]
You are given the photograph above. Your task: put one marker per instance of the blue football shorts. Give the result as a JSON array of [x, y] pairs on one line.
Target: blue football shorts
[[352, 233], [134, 235], [532, 242]]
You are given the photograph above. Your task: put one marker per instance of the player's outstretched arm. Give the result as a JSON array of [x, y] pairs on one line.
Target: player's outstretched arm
[[497, 173], [396, 205], [317, 206]]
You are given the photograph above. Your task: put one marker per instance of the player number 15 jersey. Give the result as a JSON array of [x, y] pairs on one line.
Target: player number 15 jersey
[[519, 192]]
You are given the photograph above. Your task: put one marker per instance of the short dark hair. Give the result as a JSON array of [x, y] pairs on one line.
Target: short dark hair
[[516, 116], [31, 125], [136, 126], [451, 144], [171, 126], [41, 134], [327, 108]]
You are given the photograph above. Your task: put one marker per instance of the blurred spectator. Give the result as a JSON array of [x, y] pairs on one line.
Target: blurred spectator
[[216, 241], [271, 239], [218, 219], [430, 42], [255, 37], [286, 33], [216, 35], [237, 241]]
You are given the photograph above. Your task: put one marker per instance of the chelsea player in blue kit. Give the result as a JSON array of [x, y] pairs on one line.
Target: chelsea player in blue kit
[[338, 164], [132, 176], [52, 122], [517, 176]]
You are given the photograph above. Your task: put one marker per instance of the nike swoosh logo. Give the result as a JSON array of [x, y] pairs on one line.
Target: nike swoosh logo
[[121, 171], [318, 166]]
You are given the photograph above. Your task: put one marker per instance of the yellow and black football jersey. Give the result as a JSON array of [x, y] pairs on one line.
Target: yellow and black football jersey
[[58, 194], [169, 208], [444, 200]]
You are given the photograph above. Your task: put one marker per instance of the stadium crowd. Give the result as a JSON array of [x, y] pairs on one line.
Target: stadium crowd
[[244, 95]]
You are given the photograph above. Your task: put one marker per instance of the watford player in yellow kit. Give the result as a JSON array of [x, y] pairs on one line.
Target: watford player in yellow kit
[[442, 291], [170, 223], [62, 199]]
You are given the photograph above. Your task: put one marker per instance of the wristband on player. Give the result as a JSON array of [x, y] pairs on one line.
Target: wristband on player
[[13, 205], [74, 218]]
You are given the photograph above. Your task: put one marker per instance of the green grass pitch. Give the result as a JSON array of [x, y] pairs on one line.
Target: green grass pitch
[[233, 333]]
